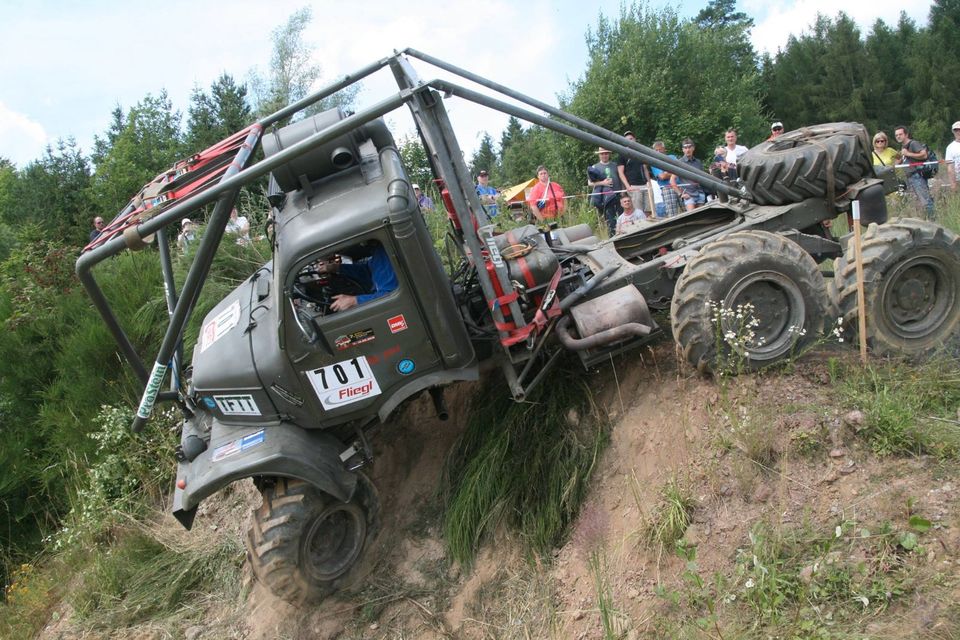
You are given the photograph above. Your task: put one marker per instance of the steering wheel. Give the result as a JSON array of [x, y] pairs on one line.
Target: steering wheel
[[320, 288]]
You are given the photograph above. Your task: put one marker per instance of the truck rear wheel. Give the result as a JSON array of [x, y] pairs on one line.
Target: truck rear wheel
[[911, 272], [796, 165], [304, 544], [771, 274]]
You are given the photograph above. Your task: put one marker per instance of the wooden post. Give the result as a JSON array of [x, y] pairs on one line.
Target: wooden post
[[861, 304]]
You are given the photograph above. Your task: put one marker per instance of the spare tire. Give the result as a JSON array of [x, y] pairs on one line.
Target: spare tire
[[798, 164]]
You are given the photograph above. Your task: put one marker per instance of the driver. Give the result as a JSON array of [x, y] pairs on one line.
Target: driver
[[375, 273]]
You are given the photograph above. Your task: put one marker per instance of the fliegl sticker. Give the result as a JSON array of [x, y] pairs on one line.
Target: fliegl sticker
[[344, 383]]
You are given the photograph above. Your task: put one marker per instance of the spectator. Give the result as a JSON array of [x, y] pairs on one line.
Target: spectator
[[240, 227], [775, 130], [630, 217], [487, 194], [691, 193], [914, 151], [883, 155], [546, 198], [634, 175], [732, 152], [666, 181], [605, 180], [952, 155], [97, 228], [188, 233], [425, 202]]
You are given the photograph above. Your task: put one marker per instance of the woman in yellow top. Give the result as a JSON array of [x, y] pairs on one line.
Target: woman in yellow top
[[883, 155]]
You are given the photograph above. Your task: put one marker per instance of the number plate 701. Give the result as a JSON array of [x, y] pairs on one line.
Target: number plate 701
[[344, 383]]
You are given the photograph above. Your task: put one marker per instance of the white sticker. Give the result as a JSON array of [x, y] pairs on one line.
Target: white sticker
[[238, 445], [344, 383], [239, 405], [219, 326]]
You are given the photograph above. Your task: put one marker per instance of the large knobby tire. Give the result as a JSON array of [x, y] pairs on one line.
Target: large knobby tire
[[911, 273], [796, 165], [774, 275], [304, 544]]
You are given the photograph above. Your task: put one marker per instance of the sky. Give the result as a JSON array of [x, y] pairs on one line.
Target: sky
[[65, 65]]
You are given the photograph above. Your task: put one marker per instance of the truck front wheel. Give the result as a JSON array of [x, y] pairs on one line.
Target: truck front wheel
[[304, 544], [752, 297]]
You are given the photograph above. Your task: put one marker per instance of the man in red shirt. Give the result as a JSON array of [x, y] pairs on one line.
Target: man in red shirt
[[546, 198]]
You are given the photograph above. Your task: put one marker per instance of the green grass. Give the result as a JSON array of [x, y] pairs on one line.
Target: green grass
[[672, 515], [139, 578], [525, 466], [910, 408]]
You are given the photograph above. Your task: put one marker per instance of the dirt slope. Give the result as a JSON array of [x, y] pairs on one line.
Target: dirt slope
[[669, 425]]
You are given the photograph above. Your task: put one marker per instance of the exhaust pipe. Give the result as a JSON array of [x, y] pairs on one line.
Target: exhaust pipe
[[601, 339], [439, 404]]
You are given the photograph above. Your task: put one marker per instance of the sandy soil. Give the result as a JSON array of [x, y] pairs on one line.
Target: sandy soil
[[669, 425]]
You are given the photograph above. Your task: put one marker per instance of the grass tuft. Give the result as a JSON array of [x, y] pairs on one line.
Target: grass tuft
[[672, 516], [524, 466], [139, 579], [910, 408]]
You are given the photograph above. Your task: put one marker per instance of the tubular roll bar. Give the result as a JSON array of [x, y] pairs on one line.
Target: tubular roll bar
[[437, 133], [627, 147]]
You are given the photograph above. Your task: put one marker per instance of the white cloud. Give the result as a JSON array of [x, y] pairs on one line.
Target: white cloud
[[21, 139], [781, 18]]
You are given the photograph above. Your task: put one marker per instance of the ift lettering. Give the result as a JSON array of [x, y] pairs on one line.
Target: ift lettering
[[350, 392]]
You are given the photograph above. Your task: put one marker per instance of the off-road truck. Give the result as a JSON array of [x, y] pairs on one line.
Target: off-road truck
[[287, 390]]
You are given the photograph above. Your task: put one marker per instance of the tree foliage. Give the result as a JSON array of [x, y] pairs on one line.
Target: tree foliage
[[890, 76], [214, 116], [292, 73], [137, 146], [646, 73], [485, 159], [51, 193]]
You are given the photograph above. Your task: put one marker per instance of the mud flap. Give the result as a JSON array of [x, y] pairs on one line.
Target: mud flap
[[243, 452]]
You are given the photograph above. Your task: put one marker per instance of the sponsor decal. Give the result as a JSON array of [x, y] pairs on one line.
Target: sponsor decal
[[377, 358], [207, 400], [238, 445], [237, 405], [397, 323], [287, 395], [153, 388], [358, 337], [344, 383], [406, 366], [495, 257], [220, 325]]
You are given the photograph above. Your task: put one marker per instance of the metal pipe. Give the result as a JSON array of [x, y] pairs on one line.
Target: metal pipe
[[587, 286], [439, 404], [603, 338], [605, 141], [226, 184], [170, 295], [648, 154], [324, 92]]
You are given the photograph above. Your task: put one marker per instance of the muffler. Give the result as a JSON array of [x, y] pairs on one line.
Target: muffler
[[614, 317]]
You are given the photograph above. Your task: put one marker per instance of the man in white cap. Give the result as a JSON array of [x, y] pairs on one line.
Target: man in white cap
[[605, 180], [775, 130], [953, 155], [188, 233], [425, 201]]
